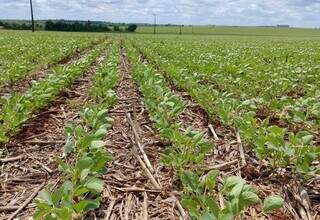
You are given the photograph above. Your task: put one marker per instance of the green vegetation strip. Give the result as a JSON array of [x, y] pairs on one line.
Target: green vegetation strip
[[275, 77], [82, 186], [188, 150], [21, 53], [18, 108], [282, 148]]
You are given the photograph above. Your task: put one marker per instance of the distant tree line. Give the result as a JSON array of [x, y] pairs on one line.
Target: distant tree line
[[72, 26], [18, 25]]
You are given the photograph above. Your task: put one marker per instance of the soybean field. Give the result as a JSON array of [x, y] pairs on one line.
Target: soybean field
[[218, 125]]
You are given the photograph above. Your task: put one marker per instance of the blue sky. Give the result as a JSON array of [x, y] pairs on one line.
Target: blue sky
[[299, 13]]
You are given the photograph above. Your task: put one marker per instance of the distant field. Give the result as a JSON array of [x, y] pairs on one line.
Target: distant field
[[240, 31], [22, 52]]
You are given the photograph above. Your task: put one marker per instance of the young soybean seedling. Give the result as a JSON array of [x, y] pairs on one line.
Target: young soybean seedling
[[238, 196]]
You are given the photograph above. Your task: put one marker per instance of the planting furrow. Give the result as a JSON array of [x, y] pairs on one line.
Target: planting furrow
[[85, 157], [226, 156], [24, 84], [29, 159], [130, 192]]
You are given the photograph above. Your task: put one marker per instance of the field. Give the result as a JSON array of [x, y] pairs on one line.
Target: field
[[232, 31], [213, 124]]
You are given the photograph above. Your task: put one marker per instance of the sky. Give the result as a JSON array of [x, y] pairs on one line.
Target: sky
[[298, 13]]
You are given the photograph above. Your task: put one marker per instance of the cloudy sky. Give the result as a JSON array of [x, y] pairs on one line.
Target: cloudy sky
[[300, 13]]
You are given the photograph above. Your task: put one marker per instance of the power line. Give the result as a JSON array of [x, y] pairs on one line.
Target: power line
[[32, 19]]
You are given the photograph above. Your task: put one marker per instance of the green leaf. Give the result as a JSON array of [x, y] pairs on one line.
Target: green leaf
[[232, 181], [84, 173], [95, 185], [68, 190], [235, 205], [100, 157], [250, 197], [57, 195], [271, 203], [81, 190], [102, 113], [63, 213], [68, 147], [63, 166], [226, 215], [191, 204], [43, 209], [233, 186], [213, 206], [307, 139], [170, 104], [68, 129], [86, 205], [46, 197], [101, 132], [190, 180], [97, 144], [211, 179], [208, 216], [84, 163]]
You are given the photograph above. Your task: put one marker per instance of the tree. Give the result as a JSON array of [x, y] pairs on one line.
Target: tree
[[24, 26], [49, 25], [132, 27], [88, 25], [116, 28]]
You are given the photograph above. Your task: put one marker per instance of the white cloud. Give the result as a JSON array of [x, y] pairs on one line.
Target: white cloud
[[228, 12]]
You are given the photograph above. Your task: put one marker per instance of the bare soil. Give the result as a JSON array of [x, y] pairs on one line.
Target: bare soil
[[129, 193]]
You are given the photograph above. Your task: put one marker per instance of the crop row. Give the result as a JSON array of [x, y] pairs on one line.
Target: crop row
[[280, 146], [270, 76], [18, 108], [21, 55], [85, 157], [187, 151]]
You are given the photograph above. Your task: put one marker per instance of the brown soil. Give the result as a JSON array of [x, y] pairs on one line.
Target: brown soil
[[40, 142], [125, 174]]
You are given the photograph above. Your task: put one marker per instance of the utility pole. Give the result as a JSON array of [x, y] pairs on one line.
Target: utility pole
[[155, 24], [32, 19]]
